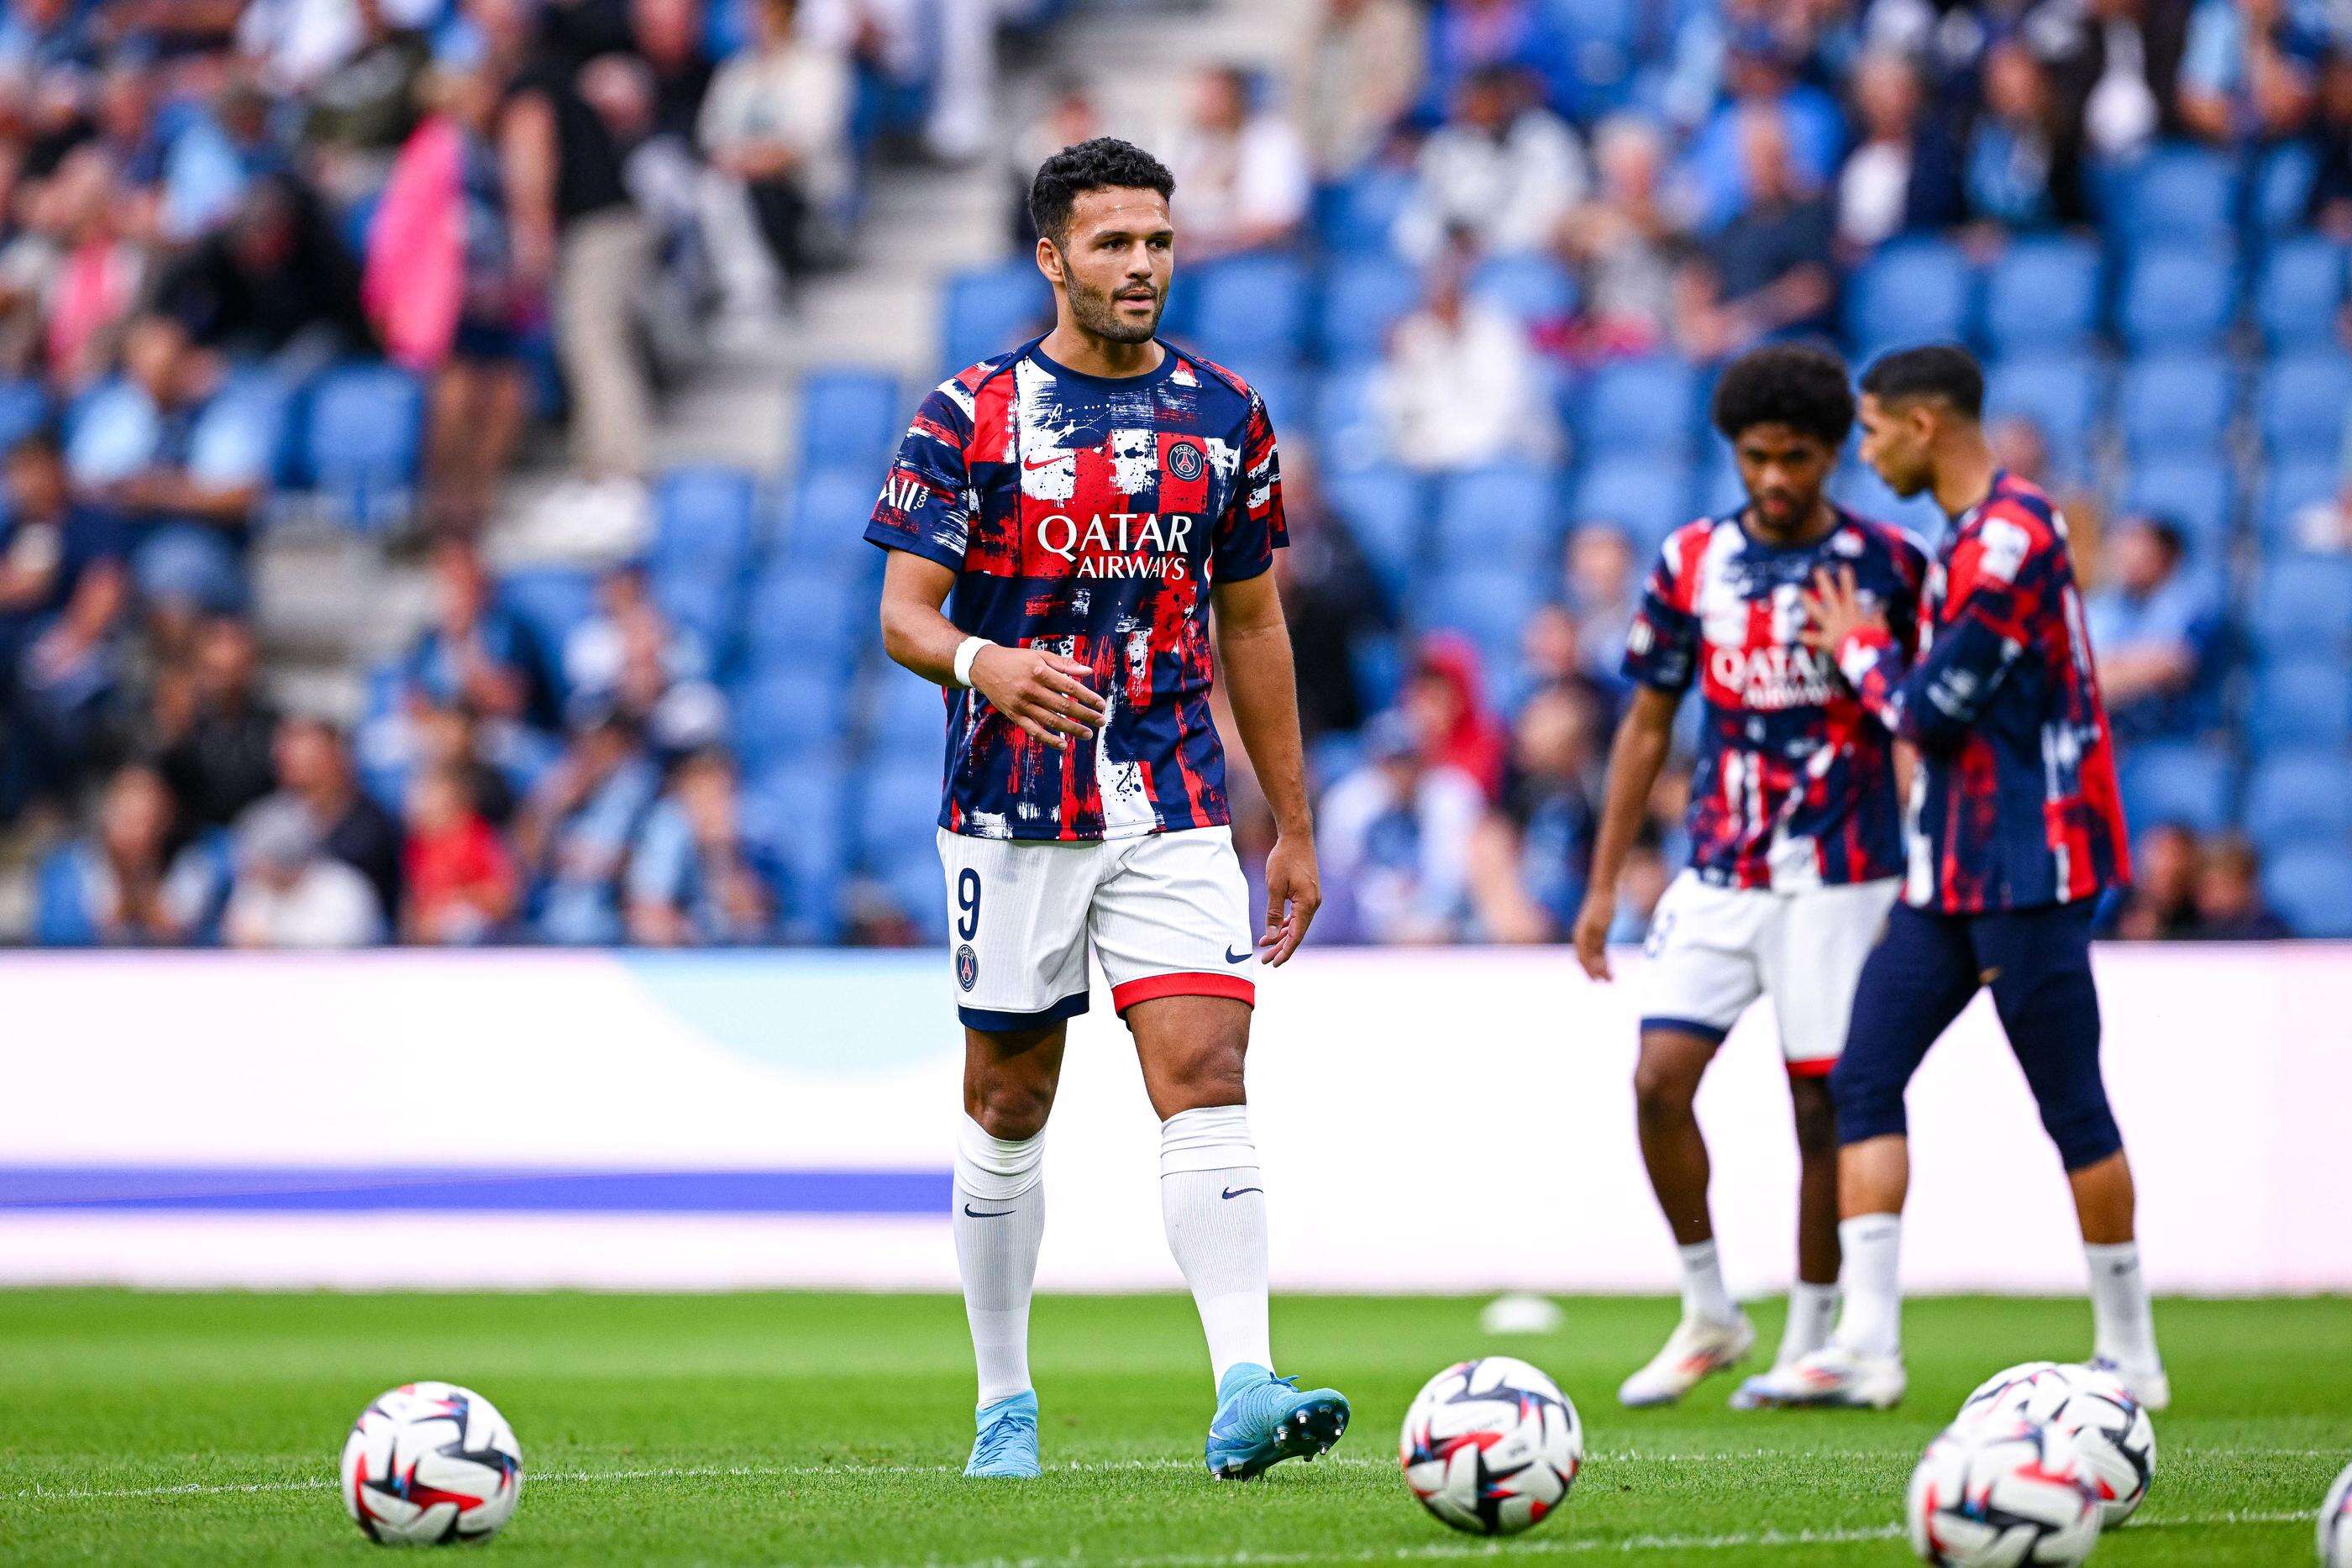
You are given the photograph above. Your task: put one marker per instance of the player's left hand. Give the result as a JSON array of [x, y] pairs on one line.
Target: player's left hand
[[1294, 892], [1837, 611]]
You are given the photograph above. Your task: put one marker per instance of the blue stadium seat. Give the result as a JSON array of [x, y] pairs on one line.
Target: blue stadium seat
[[2177, 781], [2302, 603], [2175, 296], [850, 417], [2288, 489], [803, 808], [910, 880], [2061, 395], [1532, 288], [1251, 308], [2282, 183], [2302, 407], [1358, 216], [992, 309], [709, 607], [2042, 297], [1650, 498], [787, 716], [1287, 392], [2300, 291], [2311, 889], [905, 718], [2192, 493], [1385, 510], [366, 432], [1646, 407], [2301, 705], [2173, 407], [1715, 486], [2177, 193], [550, 602], [898, 811], [24, 409], [703, 521], [2298, 797], [1913, 291], [1488, 604], [827, 530], [803, 619], [1503, 514], [1364, 296]]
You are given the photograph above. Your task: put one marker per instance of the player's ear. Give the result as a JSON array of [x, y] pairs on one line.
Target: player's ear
[[1049, 262]]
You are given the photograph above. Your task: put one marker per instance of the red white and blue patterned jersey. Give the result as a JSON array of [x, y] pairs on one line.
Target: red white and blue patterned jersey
[[2015, 804], [1088, 517], [1794, 786]]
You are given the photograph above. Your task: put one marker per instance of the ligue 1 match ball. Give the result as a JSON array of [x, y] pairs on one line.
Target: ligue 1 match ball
[[430, 1463], [1491, 1447], [2335, 1523], [2114, 1438], [2000, 1494]]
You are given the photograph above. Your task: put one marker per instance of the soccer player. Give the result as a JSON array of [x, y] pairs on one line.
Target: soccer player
[[1086, 499], [1796, 836], [2017, 828]]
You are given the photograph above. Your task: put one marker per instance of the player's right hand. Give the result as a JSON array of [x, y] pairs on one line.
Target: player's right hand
[[1045, 694], [1591, 936]]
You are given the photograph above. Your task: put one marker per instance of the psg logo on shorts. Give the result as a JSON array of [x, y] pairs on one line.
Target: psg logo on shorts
[[1185, 460], [967, 966]]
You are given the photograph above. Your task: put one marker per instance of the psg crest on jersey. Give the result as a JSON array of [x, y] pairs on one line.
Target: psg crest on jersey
[[967, 966], [1185, 460]]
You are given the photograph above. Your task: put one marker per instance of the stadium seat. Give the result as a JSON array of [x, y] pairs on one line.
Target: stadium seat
[[1358, 216], [550, 602], [1650, 498], [1365, 295], [2302, 406], [1488, 604], [2042, 297], [2061, 393], [787, 716], [899, 807], [1714, 484], [1646, 407], [1286, 391], [851, 417], [2300, 291], [1349, 432], [703, 521], [2282, 181], [991, 309], [1532, 288], [1499, 515], [2174, 407], [2288, 491], [1384, 509], [366, 431], [2177, 193], [1912, 291], [905, 718], [2176, 782], [2175, 297], [24, 409], [709, 607], [1249, 309], [2301, 705], [2302, 603], [802, 810], [826, 529], [801, 620], [2311, 890], [2192, 493], [2298, 797]]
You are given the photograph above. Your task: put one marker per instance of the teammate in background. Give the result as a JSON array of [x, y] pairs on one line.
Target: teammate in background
[[1793, 821], [2017, 831], [1087, 498]]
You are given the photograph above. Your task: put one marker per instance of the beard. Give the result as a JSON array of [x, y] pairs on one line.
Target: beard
[[1096, 310]]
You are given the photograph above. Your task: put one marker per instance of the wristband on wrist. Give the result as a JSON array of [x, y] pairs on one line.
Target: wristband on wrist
[[966, 652]]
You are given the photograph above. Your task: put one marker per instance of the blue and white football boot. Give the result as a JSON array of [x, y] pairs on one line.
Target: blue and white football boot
[[1263, 1420], [1007, 1444]]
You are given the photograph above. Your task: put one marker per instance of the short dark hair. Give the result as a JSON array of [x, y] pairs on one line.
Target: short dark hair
[[2169, 536], [1944, 371], [1793, 384], [1104, 164], [40, 441]]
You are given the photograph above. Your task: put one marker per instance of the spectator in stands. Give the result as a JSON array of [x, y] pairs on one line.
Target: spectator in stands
[[2230, 906], [2157, 632], [2161, 903], [1469, 36], [63, 591], [215, 157], [1603, 590], [1760, 74], [1503, 171], [70, 275], [1770, 270], [275, 282], [314, 771], [1444, 698], [356, 115], [1531, 855], [183, 462], [1625, 247], [123, 127], [2250, 70], [44, 35], [463, 887], [2024, 168], [1242, 175], [1458, 387], [696, 878], [576, 833], [2118, 63], [130, 882], [214, 728], [1331, 597], [1903, 175], [474, 652], [289, 894], [776, 130], [1364, 71], [1395, 836], [631, 658]]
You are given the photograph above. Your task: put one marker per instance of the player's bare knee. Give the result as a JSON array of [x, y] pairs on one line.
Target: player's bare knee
[[1012, 1110], [1816, 1116], [1665, 1088]]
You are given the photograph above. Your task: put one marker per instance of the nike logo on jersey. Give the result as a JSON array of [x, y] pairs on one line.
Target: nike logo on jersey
[[1032, 465], [985, 1213], [1233, 958], [1237, 1191]]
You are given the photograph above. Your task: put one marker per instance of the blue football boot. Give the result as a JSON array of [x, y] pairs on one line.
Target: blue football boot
[[1007, 1443], [1263, 1420]]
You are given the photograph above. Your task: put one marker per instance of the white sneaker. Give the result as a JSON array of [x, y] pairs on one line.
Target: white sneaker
[[1698, 1347], [1830, 1377], [2147, 1383]]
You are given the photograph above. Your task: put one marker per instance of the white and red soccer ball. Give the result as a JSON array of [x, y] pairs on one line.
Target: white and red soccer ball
[[2335, 1523], [429, 1463], [1491, 1447], [2001, 1494], [2114, 1438]]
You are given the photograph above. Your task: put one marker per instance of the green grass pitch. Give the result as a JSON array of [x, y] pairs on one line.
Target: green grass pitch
[[161, 1430]]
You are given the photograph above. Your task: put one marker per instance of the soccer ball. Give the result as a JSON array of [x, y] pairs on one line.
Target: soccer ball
[[2113, 1435], [1491, 1446], [429, 1463], [2335, 1523], [1995, 1494]]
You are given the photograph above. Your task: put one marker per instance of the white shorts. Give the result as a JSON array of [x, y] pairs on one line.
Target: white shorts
[[1168, 914], [1714, 950]]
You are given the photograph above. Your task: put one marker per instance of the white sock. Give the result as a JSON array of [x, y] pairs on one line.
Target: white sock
[[1813, 1312], [1000, 1218], [2123, 1329], [1872, 1323], [1215, 1206], [1702, 1293]]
